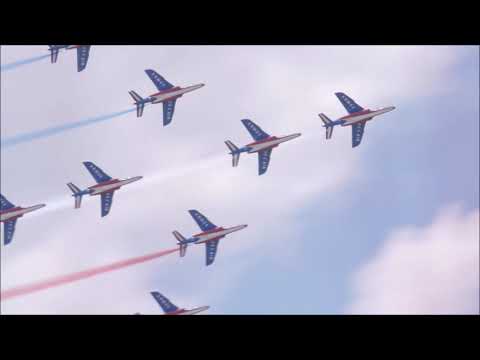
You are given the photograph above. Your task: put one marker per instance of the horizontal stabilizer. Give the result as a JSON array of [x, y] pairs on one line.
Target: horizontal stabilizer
[[181, 241], [73, 188], [325, 119], [234, 152], [180, 238], [328, 124], [77, 193], [139, 101]]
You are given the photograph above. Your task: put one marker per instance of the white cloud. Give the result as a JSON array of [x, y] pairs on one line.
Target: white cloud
[[423, 270]]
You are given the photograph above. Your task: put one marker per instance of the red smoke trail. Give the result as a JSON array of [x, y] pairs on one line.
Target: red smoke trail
[[66, 279]]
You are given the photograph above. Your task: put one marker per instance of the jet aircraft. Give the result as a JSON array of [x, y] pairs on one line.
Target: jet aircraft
[[210, 236], [263, 145], [357, 118], [9, 214], [105, 187], [167, 94], [83, 52], [170, 309]]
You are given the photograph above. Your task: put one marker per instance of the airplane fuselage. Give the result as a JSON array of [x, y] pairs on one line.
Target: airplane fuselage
[[214, 234], [189, 312], [172, 93], [110, 185], [364, 115], [268, 143], [17, 212]]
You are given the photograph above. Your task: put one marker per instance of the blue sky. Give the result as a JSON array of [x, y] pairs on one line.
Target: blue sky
[[323, 211]]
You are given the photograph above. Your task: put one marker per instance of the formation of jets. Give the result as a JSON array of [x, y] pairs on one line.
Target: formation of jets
[[168, 94], [83, 51]]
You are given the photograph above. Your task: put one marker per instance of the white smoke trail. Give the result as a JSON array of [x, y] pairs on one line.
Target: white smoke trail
[[204, 163]]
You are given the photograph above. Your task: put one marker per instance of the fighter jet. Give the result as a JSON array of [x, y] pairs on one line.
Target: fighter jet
[[210, 236], [168, 95], [9, 214], [263, 145], [170, 309], [357, 118], [82, 54], [105, 187]]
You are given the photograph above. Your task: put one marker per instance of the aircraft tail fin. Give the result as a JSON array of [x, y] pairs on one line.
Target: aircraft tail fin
[[181, 241], [77, 193], [328, 124], [139, 102], [234, 152]]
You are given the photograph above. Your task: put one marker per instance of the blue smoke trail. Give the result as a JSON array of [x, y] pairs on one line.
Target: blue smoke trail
[[40, 134], [22, 62]]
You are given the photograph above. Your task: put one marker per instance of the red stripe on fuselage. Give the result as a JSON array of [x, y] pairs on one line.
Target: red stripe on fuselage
[[104, 183], [217, 229], [263, 141], [176, 312], [167, 91], [11, 210], [363, 112]]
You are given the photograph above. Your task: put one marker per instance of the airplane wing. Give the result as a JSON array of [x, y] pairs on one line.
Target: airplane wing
[[202, 221], [168, 109], [255, 130], [107, 199], [53, 53], [5, 204], [164, 303], [349, 105], [211, 250], [357, 133], [158, 80], [82, 56], [9, 229], [97, 173], [263, 161]]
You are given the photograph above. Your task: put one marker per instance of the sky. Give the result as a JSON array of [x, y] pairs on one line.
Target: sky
[[389, 227]]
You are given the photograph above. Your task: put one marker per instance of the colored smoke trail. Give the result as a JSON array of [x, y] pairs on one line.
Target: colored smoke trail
[[67, 279], [16, 64], [51, 131]]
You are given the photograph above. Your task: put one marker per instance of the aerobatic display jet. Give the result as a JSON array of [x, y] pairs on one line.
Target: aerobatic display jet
[[83, 52], [170, 309], [357, 118], [263, 145], [9, 214], [168, 95], [210, 236], [105, 187]]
